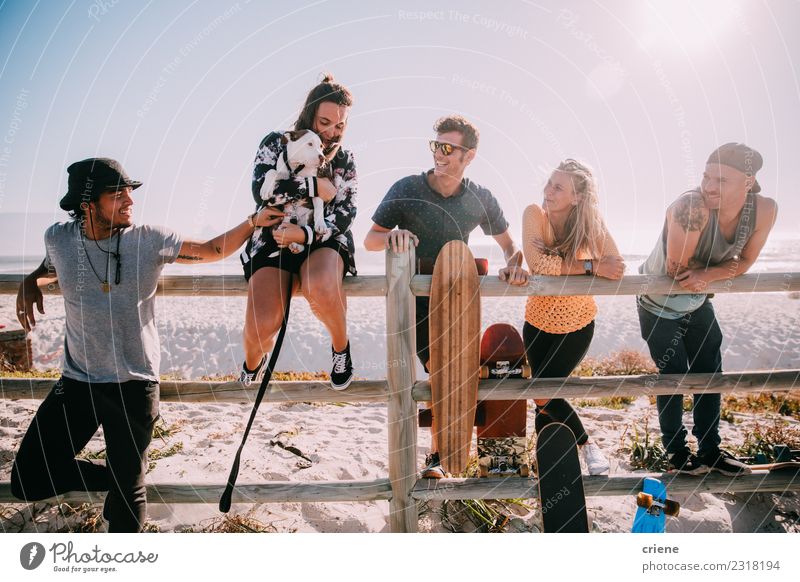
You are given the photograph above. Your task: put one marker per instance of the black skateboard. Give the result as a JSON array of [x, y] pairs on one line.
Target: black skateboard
[[560, 481]]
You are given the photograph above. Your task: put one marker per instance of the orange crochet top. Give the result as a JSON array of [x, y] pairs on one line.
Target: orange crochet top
[[554, 314]]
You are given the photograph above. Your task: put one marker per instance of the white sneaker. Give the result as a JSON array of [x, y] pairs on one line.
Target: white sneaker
[[596, 462]]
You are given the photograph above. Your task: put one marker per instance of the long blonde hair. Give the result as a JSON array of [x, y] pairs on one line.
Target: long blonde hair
[[585, 229]]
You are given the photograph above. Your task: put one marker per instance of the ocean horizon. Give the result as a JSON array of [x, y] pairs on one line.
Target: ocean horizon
[[780, 254]]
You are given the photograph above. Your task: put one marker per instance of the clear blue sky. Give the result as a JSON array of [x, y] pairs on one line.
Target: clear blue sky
[[182, 92]]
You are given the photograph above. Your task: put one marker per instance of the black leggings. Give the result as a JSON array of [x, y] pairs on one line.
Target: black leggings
[[46, 466], [555, 355]]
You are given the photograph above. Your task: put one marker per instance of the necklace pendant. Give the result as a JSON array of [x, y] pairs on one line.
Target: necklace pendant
[[106, 287]]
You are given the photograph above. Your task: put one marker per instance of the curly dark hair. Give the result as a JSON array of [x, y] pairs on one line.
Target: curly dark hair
[[470, 134]]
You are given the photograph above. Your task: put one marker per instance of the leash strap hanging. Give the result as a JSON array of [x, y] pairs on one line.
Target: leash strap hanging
[[227, 495]]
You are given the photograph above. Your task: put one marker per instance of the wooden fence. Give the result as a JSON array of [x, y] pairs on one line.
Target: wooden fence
[[401, 392]]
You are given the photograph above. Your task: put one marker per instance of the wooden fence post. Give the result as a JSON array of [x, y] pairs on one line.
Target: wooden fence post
[[400, 374]]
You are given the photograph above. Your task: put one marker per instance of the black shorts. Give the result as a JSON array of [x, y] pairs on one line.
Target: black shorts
[[291, 262]]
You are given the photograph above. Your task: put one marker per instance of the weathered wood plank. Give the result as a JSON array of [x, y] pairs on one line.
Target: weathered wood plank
[[518, 488], [429, 489], [645, 385], [378, 391], [491, 286], [188, 391], [402, 410], [274, 492], [214, 286]]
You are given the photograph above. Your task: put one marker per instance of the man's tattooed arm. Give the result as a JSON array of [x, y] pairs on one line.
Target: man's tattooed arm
[[685, 222], [189, 258], [690, 213]]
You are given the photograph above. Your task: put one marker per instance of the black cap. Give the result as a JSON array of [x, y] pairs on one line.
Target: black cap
[[91, 177], [740, 157]]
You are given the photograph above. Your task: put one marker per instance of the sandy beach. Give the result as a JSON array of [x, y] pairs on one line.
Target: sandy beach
[[349, 442], [201, 336], [338, 442]]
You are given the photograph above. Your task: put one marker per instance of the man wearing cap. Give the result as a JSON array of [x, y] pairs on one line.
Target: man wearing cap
[[107, 269], [711, 234]]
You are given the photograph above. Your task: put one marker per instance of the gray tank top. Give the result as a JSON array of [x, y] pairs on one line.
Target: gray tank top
[[712, 249]]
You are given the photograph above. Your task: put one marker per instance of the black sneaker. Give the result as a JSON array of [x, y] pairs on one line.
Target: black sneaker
[[256, 376], [725, 463], [433, 468], [342, 372], [685, 463]]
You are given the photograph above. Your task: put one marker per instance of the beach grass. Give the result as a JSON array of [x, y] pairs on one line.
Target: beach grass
[[643, 447], [762, 437]]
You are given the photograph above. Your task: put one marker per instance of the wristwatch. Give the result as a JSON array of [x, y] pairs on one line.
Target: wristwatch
[[588, 266]]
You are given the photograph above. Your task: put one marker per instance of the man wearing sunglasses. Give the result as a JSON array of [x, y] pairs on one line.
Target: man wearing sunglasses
[[107, 268], [437, 206]]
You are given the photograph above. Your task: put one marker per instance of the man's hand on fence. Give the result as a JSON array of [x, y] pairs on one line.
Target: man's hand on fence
[[28, 295], [399, 240], [694, 280]]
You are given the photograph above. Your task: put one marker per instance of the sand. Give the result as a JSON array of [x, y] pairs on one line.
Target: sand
[[201, 336]]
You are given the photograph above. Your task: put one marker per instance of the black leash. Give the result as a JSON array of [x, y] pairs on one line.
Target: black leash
[[225, 500]]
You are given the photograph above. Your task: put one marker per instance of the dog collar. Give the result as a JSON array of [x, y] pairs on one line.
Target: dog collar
[[292, 172]]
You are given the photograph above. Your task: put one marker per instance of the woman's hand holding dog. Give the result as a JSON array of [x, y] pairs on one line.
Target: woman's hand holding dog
[[268, 216], [285, 234]]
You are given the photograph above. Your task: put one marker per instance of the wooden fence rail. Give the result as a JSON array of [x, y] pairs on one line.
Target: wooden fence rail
[[378, 390], [400, 391]]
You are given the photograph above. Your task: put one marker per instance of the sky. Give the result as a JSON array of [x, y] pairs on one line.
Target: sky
[[182, 92]]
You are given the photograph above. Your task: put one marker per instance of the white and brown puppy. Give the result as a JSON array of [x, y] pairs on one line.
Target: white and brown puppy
[[301, 157]]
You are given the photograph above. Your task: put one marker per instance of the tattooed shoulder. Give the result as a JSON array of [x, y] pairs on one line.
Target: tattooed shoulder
[[690, 213]]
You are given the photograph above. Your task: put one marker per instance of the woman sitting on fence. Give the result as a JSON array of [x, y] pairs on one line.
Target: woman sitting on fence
[[566, 236], [321, 266]]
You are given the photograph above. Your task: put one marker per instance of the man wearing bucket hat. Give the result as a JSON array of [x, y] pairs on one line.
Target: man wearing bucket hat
[[108, 270], [710, 234]]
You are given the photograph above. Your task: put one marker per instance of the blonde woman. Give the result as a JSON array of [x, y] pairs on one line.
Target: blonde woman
[[566, 236]]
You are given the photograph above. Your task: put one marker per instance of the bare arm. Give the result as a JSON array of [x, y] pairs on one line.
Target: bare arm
[[513, 272], [686, 219], [227, 243], [380, 238], [29, 295], [698, 279]]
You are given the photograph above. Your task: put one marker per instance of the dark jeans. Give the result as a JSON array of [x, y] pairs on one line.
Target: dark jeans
[[46, 466], [555, 355], [680, 346]]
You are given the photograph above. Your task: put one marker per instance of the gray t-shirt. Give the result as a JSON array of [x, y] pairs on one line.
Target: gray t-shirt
[[110, 336]]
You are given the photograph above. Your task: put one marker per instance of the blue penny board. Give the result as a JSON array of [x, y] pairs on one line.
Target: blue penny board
[[560, 481], [644, 521]]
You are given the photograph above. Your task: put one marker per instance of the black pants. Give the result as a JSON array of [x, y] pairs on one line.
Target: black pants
[[46, 466], [691, 344], [555, 355]]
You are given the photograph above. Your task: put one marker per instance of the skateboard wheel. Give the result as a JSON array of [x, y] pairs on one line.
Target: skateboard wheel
[[644, 500], [672, 508], [526, 371], [524, 471], [484, 372]]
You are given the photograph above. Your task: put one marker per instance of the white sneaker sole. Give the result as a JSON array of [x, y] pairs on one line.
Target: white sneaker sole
[[341, 387]]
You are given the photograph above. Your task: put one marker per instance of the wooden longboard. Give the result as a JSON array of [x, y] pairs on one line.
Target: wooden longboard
[[560, 481], [785, 466], [455, 326]]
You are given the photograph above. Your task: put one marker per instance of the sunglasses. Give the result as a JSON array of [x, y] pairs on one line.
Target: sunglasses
[[447, 148]]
